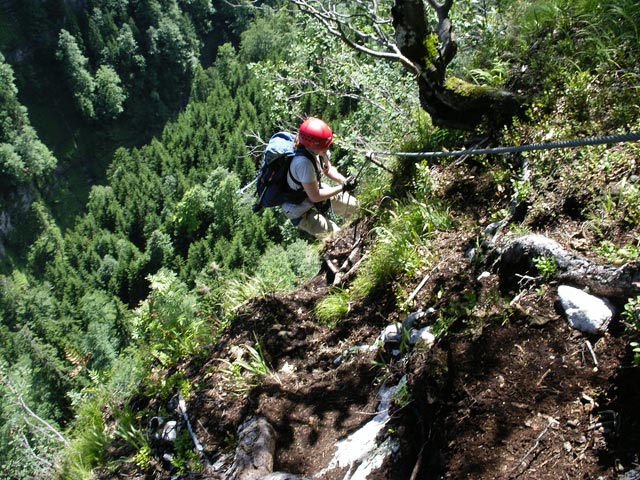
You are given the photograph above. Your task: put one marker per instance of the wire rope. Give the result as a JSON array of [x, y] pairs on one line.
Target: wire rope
[[578, 142]]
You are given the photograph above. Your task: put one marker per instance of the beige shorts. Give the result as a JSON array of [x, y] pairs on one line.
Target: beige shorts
[[314, 223]]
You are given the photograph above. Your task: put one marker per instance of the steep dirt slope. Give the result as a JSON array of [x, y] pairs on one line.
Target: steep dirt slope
[[510, 392]]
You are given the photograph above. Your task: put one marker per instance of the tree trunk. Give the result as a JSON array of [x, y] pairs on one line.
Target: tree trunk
[[451, 103], [255, 452], [617, 283]]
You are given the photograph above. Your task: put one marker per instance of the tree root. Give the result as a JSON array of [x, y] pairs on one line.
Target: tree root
[[348, 267], [614, 282], [255, 452]]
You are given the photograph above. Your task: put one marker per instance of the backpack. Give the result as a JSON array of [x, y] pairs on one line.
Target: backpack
[[271, 182]]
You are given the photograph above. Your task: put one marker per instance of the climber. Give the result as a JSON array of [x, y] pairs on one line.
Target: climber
[[312, 160]]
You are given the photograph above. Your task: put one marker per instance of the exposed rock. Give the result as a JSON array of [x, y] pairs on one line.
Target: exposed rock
[[362, 452], [631, 475], [585, 312], [161, 431]]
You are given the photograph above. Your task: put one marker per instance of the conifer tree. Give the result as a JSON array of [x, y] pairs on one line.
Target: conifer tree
[[23, 157], [109, 95], [76, 69]]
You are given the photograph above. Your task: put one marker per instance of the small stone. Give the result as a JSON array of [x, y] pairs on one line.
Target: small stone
[[411, 319], [422, 335], [484, 274], [288, 368], [170, 431], [237, 352], [392, 333]]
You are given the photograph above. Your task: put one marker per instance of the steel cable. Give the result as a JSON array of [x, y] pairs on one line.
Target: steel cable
[[578, 142]]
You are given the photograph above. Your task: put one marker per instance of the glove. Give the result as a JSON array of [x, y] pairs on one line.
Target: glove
[[349, 184]]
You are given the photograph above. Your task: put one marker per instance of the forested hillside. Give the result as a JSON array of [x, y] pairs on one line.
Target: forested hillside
[[95, 75], [139, 288]]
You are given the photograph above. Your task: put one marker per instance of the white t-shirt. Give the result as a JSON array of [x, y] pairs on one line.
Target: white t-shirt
[[302, 170]]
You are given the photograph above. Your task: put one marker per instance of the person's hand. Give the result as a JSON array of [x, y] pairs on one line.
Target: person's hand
[[349, 184]]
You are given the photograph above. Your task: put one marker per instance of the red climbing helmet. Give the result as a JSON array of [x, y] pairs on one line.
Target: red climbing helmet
[[315, 134]]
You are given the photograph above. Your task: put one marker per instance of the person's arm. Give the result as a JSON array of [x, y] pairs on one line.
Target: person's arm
[[317, 194]]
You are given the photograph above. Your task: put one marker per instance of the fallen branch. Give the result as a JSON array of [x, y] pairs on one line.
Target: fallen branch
[[422, 284], [532, 449], [254, 453], [349, 262], [593, 354], [340, 277], [182, 408], [418, 288], [329, 263], [352, 257]]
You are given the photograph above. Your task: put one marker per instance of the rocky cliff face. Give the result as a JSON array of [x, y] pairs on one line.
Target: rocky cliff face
[[13, 207]]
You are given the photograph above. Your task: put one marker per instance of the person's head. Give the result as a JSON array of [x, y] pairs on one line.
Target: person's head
[[315, 135]]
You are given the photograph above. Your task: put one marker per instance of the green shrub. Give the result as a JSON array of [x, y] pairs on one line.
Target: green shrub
[[88, 447], [248, 370], [399, 242], [631, 316], [546, 266], [166, 321]]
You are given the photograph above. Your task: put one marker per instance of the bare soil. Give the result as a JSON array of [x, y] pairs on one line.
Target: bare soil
[[511, 392]]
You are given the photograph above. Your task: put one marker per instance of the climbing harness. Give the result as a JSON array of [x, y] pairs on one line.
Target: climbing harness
[[578, 142]]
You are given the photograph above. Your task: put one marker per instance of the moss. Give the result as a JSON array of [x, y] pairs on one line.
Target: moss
[[430, 44], [466, 89]]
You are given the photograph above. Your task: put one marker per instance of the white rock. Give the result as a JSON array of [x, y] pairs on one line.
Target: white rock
[[424, 335], [391, 333], [170, 431], [287, 368], [484, 274], [585, 312], [361, 452], [411, 319]]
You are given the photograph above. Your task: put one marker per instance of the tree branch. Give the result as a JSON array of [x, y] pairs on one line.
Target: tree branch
[[30, 449], [408, 38], [32, 414], [340, 26], [317, 88], [448, 45]]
